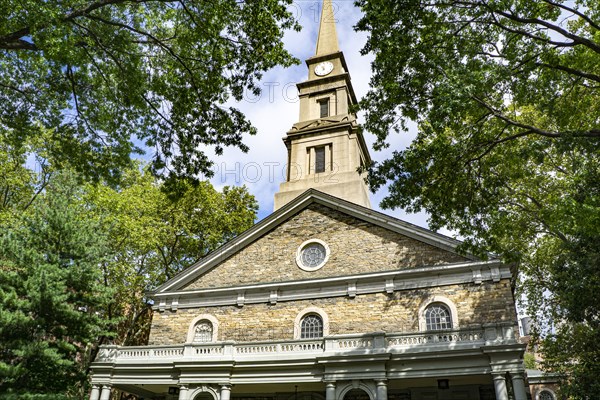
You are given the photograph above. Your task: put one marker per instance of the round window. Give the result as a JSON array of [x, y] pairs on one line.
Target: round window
[[312, 255], [545, 395]]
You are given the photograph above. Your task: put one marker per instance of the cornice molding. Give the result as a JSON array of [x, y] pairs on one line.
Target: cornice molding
[[318, 126], [343, 76], [338, 286]]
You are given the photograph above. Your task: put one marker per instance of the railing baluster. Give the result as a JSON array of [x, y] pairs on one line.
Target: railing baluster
[[484, 335]]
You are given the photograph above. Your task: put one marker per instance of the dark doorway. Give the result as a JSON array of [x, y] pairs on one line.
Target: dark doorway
[[204, 396], [357, 394]]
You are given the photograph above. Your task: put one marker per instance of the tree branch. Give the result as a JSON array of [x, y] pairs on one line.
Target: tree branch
[[14, 41], [532, 129], [156, 40], [530, 35], [572, 71], [80, 114], [18, 44], [575, 38], [45, 180], [574, 11]]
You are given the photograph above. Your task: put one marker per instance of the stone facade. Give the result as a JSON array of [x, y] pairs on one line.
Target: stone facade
[[356, 247], [398, 312]]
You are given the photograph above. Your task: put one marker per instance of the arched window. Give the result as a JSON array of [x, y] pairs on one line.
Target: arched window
[[438, 317], [311, 323], [546, 395], [203, 331], [311, 327]]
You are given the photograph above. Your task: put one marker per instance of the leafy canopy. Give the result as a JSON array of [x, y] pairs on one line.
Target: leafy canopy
[[154, 235], [506, 94], [76, 260], [109, 77]]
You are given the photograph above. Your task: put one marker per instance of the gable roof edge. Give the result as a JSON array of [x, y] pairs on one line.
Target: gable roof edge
[[295, 206], [248, 235]]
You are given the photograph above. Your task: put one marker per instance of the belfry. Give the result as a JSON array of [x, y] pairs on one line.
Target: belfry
[[327, 299], [325, 147]]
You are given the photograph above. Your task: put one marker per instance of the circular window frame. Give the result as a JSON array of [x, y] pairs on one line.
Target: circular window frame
[[299, 255], [545, 389]]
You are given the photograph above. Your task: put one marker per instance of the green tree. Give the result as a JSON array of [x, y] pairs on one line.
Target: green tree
[[154, 235], [52, 299], [19, 185], [506, 95], [105, 75], [529, 361]]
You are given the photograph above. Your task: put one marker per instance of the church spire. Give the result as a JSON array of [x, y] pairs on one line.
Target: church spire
[[326, 149], [327, 42]]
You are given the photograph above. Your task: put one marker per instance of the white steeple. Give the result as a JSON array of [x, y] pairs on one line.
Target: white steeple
[[327, 41], [325, 147]]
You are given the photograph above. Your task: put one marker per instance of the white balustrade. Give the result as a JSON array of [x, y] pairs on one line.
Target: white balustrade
[[409, 340], [133, 353], [302, 347], [145, 352], [178, 352], [256, 349], [208, 350], [487, 335], [355, 343]]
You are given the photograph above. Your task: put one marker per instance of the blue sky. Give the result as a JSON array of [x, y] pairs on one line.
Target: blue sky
[[274, 112]]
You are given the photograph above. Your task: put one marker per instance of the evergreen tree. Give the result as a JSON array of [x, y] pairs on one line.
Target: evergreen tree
[[51, 295]]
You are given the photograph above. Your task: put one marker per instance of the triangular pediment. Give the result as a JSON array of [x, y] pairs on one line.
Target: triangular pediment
[[359, 241]]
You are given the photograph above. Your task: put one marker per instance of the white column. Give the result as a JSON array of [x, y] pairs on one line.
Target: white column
[[95, 393], [330, 391], [382, 389], [225, 392], [500, 387], [183, 392], [105, 394], [518, 384]]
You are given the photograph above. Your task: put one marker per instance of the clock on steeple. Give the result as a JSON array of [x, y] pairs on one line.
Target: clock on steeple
[[325, 147], [323, 68]]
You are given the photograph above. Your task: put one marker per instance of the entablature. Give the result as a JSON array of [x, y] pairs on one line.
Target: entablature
[[331, 82], [342, 123], [349, 285]]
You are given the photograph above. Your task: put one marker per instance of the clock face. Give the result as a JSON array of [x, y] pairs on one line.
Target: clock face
[[323, 68]]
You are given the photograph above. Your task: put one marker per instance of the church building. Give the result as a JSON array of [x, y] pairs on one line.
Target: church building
[[327, 299]]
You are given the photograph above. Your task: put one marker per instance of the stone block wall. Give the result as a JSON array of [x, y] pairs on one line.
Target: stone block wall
[[356, 247], [398, 312]]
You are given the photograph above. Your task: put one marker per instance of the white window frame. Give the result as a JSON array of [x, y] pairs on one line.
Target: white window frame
[[437, 299], [311, 310], [299, 255], [192, 327]]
